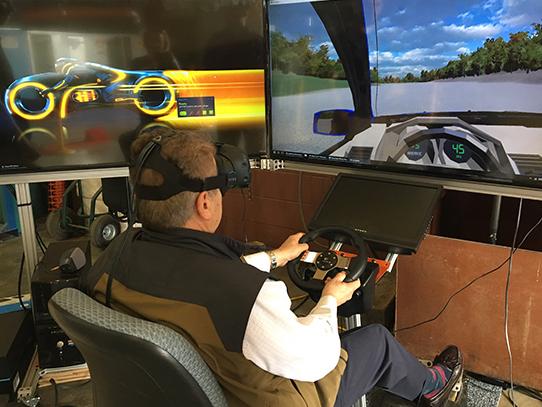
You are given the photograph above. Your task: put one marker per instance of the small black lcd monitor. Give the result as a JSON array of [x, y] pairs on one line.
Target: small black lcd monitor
[[438, 88], [393, 215], [80, 80]]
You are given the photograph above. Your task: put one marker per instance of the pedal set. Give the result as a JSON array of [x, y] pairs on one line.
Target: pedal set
[[457, 393]]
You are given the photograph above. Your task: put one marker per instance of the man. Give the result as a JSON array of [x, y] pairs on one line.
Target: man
[[176, 271]]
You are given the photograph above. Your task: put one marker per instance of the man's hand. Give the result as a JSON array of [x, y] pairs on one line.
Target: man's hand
[[340, 290], [290, 249]]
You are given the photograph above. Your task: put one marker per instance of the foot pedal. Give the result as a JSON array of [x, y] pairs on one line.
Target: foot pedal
[[457, 391]]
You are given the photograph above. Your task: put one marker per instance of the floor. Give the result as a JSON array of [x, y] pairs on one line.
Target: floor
[[79, 394]]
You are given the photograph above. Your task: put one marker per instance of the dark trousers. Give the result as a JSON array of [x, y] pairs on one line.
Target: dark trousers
[[375, 358]]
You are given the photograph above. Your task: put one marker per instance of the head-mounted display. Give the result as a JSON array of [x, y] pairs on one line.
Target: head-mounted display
[[232, 163]]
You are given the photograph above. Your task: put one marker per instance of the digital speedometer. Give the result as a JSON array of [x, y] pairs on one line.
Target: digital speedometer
[[457, 151]]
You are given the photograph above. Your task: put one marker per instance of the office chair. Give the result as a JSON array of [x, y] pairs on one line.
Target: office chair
[[134, 362]]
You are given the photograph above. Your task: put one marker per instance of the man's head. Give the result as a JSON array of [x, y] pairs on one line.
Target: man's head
[[194, 154]]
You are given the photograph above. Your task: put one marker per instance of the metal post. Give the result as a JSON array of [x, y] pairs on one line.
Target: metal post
[[335, 246], [347, 324], [391, 258], [28, 230], [495, 216]]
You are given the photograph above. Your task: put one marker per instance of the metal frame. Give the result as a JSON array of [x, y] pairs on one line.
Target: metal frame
[[69, 175], [87, 218], [26, 218], [447, 183], [346, 324], [26, 394], [24, 202]]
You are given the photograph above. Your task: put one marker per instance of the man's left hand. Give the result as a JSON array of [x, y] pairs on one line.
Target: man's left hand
[[290, 249]]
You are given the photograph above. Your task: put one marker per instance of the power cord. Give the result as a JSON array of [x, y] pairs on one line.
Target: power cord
[[40, 241], [41, 245], [55, 394], [244, 217], [302, 212], [529, 392], [471, 283], [19, 284], [507, 303], [300, 202]]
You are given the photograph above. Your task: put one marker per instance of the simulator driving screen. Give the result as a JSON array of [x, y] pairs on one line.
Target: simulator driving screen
[[445, 88]]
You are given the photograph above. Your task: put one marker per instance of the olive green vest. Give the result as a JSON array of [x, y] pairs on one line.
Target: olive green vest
[[207, 295]]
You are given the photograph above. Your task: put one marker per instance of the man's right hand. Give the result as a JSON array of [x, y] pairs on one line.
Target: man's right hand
[[337, 288]]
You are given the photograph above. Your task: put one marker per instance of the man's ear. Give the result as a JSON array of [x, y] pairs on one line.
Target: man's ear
[[203, 205]]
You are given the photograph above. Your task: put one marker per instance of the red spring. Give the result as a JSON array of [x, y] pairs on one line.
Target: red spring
[[56, 193]]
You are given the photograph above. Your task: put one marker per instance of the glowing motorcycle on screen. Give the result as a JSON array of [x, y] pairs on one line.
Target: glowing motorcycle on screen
[[188, 99], [35, 97]]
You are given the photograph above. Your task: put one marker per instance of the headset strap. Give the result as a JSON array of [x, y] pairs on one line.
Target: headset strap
[[174, 181]]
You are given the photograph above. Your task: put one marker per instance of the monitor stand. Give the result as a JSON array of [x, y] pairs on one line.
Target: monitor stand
[[370, 205]]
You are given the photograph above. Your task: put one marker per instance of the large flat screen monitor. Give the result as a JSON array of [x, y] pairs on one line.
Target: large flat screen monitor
[[79, 80], [391, 214], [440, 88]]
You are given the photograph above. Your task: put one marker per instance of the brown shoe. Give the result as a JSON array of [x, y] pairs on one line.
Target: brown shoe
[[452, 359]]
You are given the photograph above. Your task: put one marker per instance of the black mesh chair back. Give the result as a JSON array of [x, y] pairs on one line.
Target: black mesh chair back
[[133, 362]]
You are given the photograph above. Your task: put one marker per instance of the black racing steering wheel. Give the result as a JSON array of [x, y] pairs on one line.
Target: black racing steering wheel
[[328, 263]]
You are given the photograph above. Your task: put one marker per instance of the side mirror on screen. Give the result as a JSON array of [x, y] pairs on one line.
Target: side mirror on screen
[[332, 122]]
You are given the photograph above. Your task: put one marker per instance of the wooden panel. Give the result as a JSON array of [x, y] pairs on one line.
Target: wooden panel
[[269, 210], [277, 185], [271, 235], [474, 320], [474, 212]]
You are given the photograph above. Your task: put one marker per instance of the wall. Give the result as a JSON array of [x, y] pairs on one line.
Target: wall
[[269, 210], [474, 319]]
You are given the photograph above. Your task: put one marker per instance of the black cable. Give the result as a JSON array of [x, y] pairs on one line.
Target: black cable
[[42, 247], [507, 302], [40, 242], [138, 171], [470, 283], [244, 217], [300, 202], [529, 392], [19, 284], [55, 394], [301, 211]]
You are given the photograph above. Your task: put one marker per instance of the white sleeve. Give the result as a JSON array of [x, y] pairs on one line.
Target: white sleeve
[[259, 260], [279, 342]]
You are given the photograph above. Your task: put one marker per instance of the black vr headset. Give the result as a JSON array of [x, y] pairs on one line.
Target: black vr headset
[[232, 165]]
